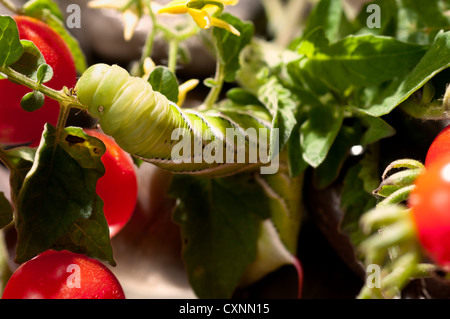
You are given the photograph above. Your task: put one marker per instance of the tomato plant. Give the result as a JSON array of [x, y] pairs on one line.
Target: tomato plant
[[316, 103], [63, 275], [118, 186], [18, 126]]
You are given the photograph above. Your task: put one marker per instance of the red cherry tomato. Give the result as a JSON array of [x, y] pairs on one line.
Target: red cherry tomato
[[118, 186], [63, 275], [439, 147], [16, 125], [430, 210]]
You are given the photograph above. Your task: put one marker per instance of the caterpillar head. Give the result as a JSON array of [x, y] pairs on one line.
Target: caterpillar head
[[98, 86]]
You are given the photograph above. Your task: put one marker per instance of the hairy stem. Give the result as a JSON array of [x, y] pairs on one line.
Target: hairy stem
[[397, 197], [62, 118], [173, 54], [219, 79], [149, 42], [59, 96]]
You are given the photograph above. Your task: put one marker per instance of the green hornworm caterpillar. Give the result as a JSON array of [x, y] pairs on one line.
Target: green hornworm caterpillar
[[215, 142]]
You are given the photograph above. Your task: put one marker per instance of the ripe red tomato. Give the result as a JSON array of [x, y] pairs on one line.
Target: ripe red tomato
[[16, 125], [439, 147], [118, 186], [63, 275], [430, 210]]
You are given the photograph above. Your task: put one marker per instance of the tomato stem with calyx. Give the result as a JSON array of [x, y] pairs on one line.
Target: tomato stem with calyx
[[60, 96]]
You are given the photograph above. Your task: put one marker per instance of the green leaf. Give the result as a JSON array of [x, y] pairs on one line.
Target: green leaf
[[11, 48], [295, 149], [6, 212], [165, 82], [30, 61], [328, 15], [32, 101], [260, 60], [319, 132], [377, 129], [229, 46], [242, 97], [355, 201], [434, 61], [49, 13], [282, 104], [296, 163], [44, 73], [57, 205], [358, 61], [406, 20], [303, 79], [420, 23], [369, 172], [366, 131], [21, 159], [285, 197], [328, 171], [220, 221]]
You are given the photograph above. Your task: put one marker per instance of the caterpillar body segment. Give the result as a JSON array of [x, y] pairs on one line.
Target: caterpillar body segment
[[143, 122]]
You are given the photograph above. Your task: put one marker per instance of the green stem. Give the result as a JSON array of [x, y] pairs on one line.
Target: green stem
[[285, 18], [219, 79], [150, 41], [59, 96], [274, 10], [62, 119], [148, 48], [370, 293], [397, 197], [11, 6], [402, 163], [292, 22], [173, 54], [424, 270], [403, 269]]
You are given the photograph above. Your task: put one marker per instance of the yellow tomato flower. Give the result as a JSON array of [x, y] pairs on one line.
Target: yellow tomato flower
[[202, 12], [131, 10], [148, 66], [184, 88]]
